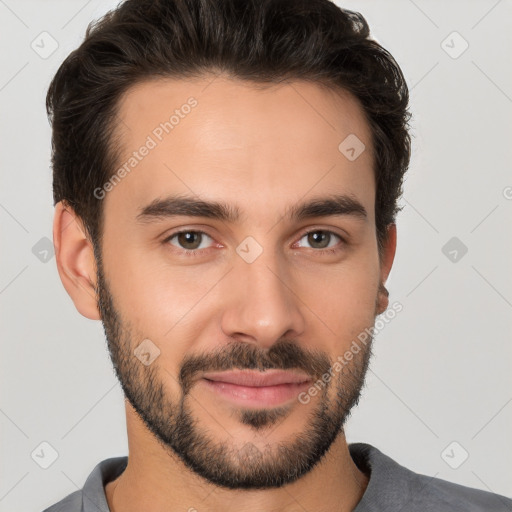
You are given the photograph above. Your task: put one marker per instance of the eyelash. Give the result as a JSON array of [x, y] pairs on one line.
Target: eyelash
[[198, 252]]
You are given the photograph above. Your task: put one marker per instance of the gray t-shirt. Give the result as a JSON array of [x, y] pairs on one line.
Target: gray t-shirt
[[391, 488]]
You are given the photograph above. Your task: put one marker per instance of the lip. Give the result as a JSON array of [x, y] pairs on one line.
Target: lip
[[257, 389], [250, 378]]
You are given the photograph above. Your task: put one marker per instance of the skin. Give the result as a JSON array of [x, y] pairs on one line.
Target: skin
[[263, 149]]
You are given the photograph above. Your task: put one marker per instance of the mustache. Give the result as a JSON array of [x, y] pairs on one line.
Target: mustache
[[283, 355]]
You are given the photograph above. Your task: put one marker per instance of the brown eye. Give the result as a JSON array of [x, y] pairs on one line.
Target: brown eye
[[188, 240], [321, 239]]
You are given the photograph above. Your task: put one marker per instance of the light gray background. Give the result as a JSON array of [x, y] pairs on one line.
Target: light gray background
[[441, 370]]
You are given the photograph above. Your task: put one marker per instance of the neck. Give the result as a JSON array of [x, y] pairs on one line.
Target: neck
[[157, 480]]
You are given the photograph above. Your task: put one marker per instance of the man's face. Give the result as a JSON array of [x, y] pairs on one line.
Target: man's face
[[257, 292]]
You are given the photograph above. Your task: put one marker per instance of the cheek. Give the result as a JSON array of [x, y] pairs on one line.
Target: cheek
[[342, 298], [167, 304], [143, 286]]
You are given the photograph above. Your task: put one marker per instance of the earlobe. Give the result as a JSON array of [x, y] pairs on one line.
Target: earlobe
[[388, 256], [76, 265]]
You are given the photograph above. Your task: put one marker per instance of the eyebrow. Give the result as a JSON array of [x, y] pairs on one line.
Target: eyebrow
[[176, 205]]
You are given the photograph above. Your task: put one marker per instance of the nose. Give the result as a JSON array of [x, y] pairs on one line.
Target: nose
[[263, 306]]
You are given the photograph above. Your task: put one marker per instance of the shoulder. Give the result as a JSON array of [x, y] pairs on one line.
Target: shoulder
[[395, 487], [91, 498], [436, 492]]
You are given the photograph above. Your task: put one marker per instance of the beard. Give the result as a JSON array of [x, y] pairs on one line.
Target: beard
[[171, 420]]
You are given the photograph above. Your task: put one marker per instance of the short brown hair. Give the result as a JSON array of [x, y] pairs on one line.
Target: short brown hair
[[266, 41]]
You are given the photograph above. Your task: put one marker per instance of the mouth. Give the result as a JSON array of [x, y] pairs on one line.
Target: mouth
[[257, 389]]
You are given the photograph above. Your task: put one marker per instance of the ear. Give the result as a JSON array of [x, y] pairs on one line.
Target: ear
[[75, 260], [386, 262]]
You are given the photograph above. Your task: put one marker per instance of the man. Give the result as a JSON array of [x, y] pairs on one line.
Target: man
[[226, 177]]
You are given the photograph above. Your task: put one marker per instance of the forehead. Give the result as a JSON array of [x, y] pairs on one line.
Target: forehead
[[219, 138]]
